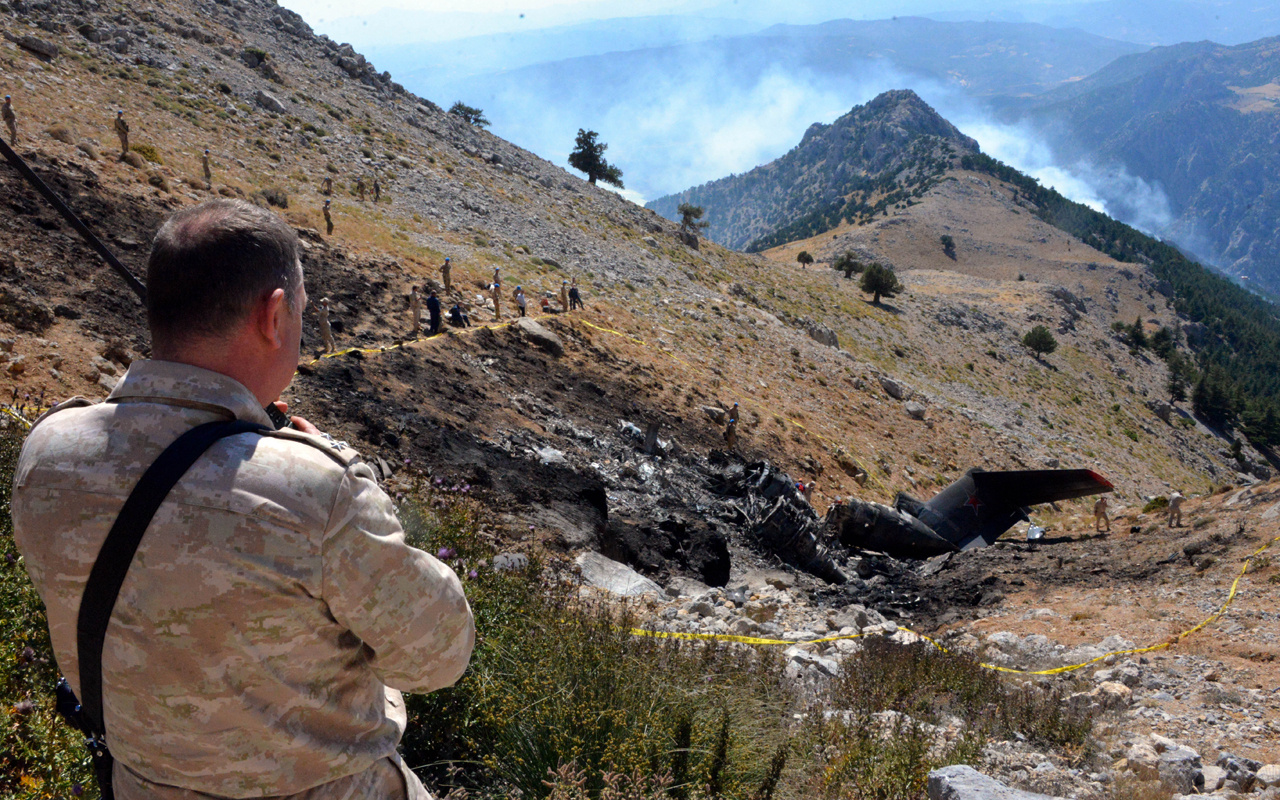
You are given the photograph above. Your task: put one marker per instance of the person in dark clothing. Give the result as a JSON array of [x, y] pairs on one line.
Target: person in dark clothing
[[575, 299], [458, 317], [433, 313]]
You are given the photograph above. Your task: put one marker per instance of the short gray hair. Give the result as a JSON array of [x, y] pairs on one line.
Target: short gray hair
[[211, 263]]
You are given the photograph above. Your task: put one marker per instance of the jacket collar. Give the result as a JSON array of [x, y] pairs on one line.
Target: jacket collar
[[185, 385]]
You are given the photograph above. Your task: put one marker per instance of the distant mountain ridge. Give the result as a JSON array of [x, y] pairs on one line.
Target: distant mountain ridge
[[1200, 120], [878, 154]]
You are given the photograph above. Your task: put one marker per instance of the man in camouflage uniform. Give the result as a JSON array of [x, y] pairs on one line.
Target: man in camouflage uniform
[[326, 332], [204, 165], [564, 295], [360, 188], [122, 131], [446, 270], [731, 429], [273, 613], [377, 190], [328, 220], [415, 309], [326, 186], [10, 120]]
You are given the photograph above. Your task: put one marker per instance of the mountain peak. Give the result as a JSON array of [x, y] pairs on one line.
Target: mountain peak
[[896, 138]]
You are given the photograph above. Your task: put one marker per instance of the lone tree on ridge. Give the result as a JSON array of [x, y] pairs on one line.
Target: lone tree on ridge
[[805, 259], [1040, 341], [879, 280], [847, 263], [588, 157], [949, 246], [691, 218], [470, 114]]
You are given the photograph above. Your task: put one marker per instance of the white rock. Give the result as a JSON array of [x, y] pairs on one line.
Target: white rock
[[1268, 775], [612, 576]]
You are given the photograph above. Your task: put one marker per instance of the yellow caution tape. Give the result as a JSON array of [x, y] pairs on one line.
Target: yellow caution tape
[[21, 419], [752, 640]]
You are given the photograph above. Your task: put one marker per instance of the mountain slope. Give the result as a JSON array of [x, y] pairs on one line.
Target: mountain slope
[[875, 155], [1203, 122]]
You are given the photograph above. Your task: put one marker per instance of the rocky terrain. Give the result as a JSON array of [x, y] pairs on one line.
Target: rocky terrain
[[600, 431]]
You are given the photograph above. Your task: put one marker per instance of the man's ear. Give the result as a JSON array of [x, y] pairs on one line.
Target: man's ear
[[273, 311]]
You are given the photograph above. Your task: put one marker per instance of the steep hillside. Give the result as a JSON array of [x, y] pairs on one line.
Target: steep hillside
[[602, 429], [1202, 122], [717, 326], [877, 155]]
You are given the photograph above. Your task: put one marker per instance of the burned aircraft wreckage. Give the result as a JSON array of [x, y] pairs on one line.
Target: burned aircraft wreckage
[[972, 512]]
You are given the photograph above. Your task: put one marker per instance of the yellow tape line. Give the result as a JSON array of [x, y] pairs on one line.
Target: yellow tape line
[[397, 345], [21, 419], [752, 640]]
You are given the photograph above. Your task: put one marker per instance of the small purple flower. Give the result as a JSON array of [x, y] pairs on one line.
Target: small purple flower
[[444, 553], [406, 461], [439, 481], [77, 789], [473, 574]]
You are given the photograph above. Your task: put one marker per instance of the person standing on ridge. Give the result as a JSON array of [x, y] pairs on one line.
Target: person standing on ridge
[[1175, 510], [415, 310], [497, 301], [446, 270], [564, 295], [433, 313], [496, 277], [326, 332], [328, 220], [273, 613], [360, 188], [575, 299], [10, 120], [731, 429], [122, 131], [326, 186], [1101, 520], [377, 190], [204, 164], [518, 296]]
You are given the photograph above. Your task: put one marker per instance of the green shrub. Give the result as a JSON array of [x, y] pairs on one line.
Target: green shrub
[[555, 681], [148, 152], [1155, 504]]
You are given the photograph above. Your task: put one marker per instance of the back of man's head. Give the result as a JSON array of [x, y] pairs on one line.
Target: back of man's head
[[210, 264]]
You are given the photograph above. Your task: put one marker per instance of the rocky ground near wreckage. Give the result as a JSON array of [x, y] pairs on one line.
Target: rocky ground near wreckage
[[551, 424]]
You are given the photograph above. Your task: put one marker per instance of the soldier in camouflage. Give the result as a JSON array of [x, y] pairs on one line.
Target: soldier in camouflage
[[273, 613], [122, 132], [10, 119]]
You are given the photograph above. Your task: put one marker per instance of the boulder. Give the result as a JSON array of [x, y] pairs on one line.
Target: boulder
[[1242, 771], [823, 335], [961, 782], [1179, 766], [894, 389], [510, 562], [714, 414], [46, 50], [916, 410], [614, 577], [541, 337], [269, 102], [1268, 775]]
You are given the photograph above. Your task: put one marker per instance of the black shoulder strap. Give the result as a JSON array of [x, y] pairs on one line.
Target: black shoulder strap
[[122, 541]]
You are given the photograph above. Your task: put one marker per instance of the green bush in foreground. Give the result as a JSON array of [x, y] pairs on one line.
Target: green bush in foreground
[[562, 702]]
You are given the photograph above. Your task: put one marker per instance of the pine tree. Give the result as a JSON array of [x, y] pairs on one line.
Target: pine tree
[[1040, 341], [879, 280], [588, 157]]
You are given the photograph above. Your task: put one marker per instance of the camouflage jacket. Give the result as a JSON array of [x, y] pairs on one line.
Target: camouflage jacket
[[272, 613]]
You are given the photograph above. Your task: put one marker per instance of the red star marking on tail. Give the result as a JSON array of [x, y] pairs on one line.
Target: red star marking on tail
[[974, 503]]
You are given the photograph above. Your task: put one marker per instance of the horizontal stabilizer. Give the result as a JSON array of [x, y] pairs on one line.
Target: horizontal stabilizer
[[976, 509]]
